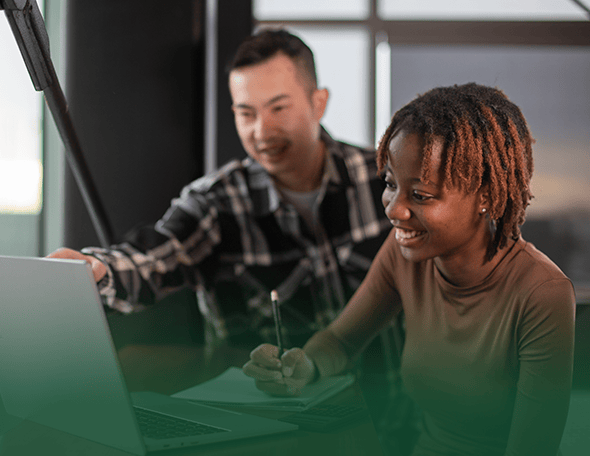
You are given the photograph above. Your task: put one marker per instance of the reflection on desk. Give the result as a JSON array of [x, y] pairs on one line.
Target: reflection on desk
[[169, 369]]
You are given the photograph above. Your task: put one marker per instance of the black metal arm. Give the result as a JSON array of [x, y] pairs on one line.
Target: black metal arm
[[28, 28]]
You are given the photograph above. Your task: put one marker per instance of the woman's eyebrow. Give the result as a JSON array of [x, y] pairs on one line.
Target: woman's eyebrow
[[384, 171]]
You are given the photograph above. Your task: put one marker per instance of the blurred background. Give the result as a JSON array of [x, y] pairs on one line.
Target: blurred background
[[373, 55], [147, 92]]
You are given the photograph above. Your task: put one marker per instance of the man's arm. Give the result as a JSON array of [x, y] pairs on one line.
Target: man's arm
[[156, 260]]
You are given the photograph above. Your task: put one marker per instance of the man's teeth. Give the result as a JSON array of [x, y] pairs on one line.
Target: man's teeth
[[405, 234], [270, 148]]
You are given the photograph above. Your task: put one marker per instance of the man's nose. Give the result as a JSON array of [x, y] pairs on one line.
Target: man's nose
[[263, 127]]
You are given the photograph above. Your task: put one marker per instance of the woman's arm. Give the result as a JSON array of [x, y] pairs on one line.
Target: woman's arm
[[371, 308], [326, 353], [330, 351], [545, 346]]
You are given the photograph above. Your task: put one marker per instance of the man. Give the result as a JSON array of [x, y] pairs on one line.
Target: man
[[301, 214]]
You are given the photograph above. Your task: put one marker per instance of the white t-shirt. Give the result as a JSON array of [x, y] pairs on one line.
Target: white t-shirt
[[304, 203]]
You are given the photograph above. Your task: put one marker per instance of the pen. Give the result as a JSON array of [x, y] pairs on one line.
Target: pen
[[276, 311]]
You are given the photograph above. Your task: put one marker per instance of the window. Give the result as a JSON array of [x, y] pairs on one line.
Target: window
[[21, 171], [489, 10], [311, 9], [537, 51], [344, 78]]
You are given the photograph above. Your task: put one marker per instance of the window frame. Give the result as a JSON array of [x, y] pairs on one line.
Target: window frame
[[446, 32]]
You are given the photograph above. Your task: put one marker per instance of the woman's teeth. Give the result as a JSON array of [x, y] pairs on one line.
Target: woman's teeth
[[406, 234]]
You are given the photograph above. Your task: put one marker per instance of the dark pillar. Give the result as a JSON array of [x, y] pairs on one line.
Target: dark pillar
[[135, 90], [234, 24]]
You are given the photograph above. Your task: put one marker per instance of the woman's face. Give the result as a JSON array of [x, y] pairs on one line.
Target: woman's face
[[430, 221]]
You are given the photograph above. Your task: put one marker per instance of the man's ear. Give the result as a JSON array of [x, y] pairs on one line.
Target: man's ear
[[320, 102]]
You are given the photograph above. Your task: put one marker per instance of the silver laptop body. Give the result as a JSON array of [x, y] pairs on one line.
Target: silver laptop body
[[60, 368]]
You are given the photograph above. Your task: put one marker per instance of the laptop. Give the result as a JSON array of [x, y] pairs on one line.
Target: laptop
[[60, 368]]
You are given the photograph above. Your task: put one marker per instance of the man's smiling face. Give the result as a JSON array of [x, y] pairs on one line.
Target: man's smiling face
[[277, 115]]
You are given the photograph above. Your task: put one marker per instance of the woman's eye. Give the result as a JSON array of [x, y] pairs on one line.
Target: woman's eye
[[387, 180], [420, 197]]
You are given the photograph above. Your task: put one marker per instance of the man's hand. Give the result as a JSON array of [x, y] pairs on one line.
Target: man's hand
[[99, 269], [284, 377]]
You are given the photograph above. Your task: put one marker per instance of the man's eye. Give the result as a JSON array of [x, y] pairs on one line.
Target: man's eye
[[244, 114]]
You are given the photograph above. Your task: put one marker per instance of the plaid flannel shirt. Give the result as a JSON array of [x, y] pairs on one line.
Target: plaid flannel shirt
[[232, 239]]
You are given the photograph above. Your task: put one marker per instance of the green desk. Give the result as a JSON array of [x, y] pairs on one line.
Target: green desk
[[169, 369]]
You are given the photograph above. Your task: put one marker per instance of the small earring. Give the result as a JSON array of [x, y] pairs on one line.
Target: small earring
[[483, 210]]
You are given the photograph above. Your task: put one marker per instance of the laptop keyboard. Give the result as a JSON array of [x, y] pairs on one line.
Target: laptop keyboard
[[159, 426]]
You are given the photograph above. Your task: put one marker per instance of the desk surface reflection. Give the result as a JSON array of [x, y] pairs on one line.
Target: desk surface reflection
[[169, 369]]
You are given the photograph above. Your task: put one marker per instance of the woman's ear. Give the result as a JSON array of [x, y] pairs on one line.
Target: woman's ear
[[484, 200]]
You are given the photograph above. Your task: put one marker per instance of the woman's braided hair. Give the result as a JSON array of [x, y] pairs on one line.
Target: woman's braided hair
[[486, 143]]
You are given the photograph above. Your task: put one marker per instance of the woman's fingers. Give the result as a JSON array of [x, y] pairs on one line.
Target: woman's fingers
[[298, 366], [283, 377], [290, 360], [254, 370], [264, 364], [266, 355]]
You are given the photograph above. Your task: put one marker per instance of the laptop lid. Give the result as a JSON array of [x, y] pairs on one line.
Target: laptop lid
[[60, 366], [59, 370]]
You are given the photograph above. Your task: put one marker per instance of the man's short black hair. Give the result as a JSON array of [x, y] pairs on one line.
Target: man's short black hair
[[269, 42]]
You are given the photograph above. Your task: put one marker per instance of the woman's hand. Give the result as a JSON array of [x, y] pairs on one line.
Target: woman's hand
[[284, 377]]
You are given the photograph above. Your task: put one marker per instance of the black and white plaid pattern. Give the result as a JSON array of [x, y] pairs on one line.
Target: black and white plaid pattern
[[231, 238]]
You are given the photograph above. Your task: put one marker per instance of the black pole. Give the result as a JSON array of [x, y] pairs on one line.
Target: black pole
[[28, 27]]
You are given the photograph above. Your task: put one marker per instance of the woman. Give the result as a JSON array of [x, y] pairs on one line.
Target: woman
[[489, 319]]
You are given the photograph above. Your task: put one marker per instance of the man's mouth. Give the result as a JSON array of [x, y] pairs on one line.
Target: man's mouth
[[272, 148], [270, 151]]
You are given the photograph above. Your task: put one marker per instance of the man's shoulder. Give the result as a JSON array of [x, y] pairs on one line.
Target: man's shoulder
[[346, 150], [342, 148], [239, 185], [229, 175], [354, 163]]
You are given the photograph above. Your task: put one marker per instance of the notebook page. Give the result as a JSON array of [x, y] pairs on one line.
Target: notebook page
[[234, 388]]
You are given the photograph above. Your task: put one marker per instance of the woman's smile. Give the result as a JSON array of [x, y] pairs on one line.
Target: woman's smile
[[430, 220], [408, 238]]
